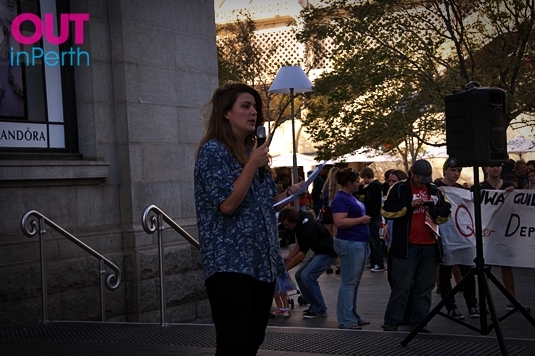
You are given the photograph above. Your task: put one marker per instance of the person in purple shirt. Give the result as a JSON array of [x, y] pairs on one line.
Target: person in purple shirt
[[352, 236]]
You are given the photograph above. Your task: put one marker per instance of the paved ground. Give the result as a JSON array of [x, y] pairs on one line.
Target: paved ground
[[373, 297], [292, 336]]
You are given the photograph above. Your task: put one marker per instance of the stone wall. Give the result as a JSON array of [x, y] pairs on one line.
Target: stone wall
[[74, 289], [153, 66]]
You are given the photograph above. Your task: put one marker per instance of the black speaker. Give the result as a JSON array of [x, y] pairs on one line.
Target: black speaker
[[476, 127]]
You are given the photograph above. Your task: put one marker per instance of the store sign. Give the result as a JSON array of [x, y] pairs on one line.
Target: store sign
[[15, 134], [46, 29]]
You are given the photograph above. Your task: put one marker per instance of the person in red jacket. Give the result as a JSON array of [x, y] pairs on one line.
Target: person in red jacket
[[412, 205]]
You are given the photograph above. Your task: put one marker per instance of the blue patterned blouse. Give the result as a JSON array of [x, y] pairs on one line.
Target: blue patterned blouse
[[247, 241]]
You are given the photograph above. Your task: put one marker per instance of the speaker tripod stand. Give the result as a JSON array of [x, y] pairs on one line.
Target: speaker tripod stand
[[484, 275]]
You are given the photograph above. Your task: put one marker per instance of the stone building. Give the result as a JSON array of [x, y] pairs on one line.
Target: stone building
[[110, 133]]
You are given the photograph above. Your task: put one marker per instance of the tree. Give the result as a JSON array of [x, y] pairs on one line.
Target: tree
[[394, 61], [243, 57], [239, 59]]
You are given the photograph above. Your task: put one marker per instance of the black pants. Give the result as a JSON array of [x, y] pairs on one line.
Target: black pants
[[469, 290], [240, 309]]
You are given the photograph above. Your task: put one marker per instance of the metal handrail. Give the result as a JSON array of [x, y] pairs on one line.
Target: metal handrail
[[29, 228], [152, 220]]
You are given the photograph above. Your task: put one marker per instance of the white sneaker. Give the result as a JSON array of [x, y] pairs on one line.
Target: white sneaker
[[376, 268], [286, 313], [510, 307]]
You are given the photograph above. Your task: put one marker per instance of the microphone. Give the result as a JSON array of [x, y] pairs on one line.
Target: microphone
[[261, 138]]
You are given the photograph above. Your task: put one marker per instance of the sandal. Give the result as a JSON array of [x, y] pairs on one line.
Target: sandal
[[364, 323]]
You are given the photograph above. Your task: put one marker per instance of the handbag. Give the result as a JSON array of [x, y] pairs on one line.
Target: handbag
[[325, 215]]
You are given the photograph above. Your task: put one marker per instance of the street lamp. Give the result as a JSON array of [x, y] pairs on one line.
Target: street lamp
[[291, 79]]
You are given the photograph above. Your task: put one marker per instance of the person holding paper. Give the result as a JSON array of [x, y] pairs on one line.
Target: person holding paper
[[238, 233], [494, 182], [415, 250], [451, 176]]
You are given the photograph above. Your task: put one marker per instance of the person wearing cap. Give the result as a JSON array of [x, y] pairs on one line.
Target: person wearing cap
[[315, 195], [415, 248], [451, 176]]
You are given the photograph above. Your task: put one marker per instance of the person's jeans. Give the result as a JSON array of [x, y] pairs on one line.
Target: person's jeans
[[307, 280], [240, 309], [469, 289], [376, 257], [420, 267], [352, 263]]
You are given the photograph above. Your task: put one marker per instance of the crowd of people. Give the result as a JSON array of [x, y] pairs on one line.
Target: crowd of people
[[353, 213], [414, 258]]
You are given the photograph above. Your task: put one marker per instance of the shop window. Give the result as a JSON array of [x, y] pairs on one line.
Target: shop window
[[37, 101]]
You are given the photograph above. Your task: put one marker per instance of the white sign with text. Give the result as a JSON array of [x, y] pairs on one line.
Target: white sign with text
[[508, 227]]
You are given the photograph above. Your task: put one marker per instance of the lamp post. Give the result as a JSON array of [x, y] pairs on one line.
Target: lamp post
[[290, 80]]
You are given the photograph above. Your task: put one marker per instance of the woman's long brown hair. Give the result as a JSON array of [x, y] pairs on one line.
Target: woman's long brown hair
[[218, 127]]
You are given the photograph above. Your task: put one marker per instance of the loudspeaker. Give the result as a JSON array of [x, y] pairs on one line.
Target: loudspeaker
[[476, 127]]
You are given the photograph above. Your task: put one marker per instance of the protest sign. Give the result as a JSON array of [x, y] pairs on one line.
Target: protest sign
[[508, 227]]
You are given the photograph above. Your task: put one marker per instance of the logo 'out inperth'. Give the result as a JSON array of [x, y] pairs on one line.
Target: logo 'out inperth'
[[46, 28]]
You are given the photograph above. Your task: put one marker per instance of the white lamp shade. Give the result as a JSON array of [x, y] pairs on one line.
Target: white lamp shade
[[291, 77]]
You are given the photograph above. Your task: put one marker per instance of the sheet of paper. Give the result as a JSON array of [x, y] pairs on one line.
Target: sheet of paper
[[432, 225], [304, 187]]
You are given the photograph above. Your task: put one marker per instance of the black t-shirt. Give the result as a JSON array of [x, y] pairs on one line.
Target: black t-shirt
[[486, 185], [386, 186], [316, 189], [373, 195], [439, 183], [313, 235], [521, 180]]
